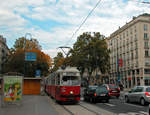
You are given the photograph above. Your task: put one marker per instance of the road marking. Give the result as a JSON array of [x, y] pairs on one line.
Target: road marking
[[134, 105], [144, 113], [109, 104]]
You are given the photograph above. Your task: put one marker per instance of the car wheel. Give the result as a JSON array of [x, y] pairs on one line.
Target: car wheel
[[107, 101], [126, 99], [142, 101], [84, 99], [92, 100], [117, 97]]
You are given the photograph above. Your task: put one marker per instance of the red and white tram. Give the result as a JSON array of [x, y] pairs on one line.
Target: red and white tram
[[64, 84]]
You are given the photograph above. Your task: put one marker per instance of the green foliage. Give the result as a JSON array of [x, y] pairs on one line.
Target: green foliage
[[90, 52], [58, 61], [16, 61], [26, 44]]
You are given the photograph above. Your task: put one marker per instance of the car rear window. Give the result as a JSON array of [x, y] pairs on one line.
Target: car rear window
[[148, 89], [101, 89], [113, 86], [92, 88]]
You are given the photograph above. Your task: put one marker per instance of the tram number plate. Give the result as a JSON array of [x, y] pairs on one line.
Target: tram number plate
[[71, 98]]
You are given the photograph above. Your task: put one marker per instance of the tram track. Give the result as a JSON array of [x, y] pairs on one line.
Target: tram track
[[75, 109]]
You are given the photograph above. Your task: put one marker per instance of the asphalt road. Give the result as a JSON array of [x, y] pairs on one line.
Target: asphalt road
[[31, 105], [119, 107]]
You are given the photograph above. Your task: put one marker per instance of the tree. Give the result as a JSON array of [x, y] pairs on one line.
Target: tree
[[58, 61], [16, 61], [26, 44], [90, 52]]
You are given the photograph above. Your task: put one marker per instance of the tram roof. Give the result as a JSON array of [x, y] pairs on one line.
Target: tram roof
[[68, 69]]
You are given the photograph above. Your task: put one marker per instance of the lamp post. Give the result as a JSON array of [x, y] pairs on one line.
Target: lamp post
[[27, 34]]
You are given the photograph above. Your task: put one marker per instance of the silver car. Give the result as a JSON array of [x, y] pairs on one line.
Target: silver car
[[140, 94]]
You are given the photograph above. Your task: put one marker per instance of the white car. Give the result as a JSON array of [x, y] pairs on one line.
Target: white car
[[140, 94]]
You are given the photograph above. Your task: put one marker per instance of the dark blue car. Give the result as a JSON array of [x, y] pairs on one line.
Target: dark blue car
[[95, 94]]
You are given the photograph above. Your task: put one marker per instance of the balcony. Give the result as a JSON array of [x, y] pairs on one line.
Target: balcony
[[146, 47], [146, 38], [147, 63]]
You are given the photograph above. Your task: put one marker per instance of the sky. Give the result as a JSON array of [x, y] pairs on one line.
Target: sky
[[53, 22]]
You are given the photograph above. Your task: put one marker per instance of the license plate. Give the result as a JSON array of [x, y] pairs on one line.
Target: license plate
[[114, 91], [102, 95]]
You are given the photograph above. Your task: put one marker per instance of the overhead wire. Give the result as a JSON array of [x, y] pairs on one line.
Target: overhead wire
[[83, 22]]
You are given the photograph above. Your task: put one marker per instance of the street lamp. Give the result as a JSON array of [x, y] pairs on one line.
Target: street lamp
[[27, 34]]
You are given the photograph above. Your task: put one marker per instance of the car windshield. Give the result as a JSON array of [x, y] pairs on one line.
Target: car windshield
[[92, 87], [101, 89]]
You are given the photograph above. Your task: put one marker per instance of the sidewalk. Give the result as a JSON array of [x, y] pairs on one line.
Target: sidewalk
[[31, 105]]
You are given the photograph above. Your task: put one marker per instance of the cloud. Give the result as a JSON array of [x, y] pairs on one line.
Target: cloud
[[16, 19]]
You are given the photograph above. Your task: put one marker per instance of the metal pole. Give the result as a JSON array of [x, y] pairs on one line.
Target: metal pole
[[25, 47]]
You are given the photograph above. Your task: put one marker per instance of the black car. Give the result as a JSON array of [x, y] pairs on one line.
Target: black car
[[96, 94]]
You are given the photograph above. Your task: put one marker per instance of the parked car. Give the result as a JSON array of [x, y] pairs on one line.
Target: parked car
[[96, 94], [140, 94], [114, 90]]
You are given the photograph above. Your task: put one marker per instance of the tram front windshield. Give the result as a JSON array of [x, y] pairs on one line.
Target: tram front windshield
[[70, 80]]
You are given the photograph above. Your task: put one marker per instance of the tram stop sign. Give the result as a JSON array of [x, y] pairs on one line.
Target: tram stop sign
[[30, 56], [38, 73]]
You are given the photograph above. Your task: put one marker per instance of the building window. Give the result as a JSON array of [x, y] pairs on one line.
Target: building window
[[147, 82], [132, 55], [146, 44], [131, 31], [145, 36], [134, 28], [145, 27], [146, 71], [127, 33], [146, 53], [137, 71]]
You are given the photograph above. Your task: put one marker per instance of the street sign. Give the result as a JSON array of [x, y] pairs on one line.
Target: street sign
[[30, 56], [38, 73]]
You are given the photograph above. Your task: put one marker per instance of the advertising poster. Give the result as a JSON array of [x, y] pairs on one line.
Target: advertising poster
[[12, 88]]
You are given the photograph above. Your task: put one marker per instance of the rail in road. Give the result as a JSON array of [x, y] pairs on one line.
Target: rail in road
[[114, 107], [81, 108]]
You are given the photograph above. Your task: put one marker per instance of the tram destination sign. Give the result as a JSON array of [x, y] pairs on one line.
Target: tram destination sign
[[71, 73]]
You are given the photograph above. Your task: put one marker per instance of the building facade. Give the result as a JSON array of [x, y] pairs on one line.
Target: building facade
[[4, 51], [130, 53]]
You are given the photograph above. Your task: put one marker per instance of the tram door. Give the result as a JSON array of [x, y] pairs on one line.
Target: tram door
[[57, 88]]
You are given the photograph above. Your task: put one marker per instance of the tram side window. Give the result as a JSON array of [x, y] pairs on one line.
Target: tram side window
[[53, 81]]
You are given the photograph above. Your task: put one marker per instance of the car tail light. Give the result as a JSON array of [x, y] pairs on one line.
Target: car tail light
[[94, 94], [107, 88], [147, 94], [119, 88]]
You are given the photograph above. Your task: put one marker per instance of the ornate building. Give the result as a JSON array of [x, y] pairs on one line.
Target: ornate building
[[130, 52], [4, 51]]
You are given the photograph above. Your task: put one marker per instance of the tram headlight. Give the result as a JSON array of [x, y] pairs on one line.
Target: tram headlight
[[71, 92]]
